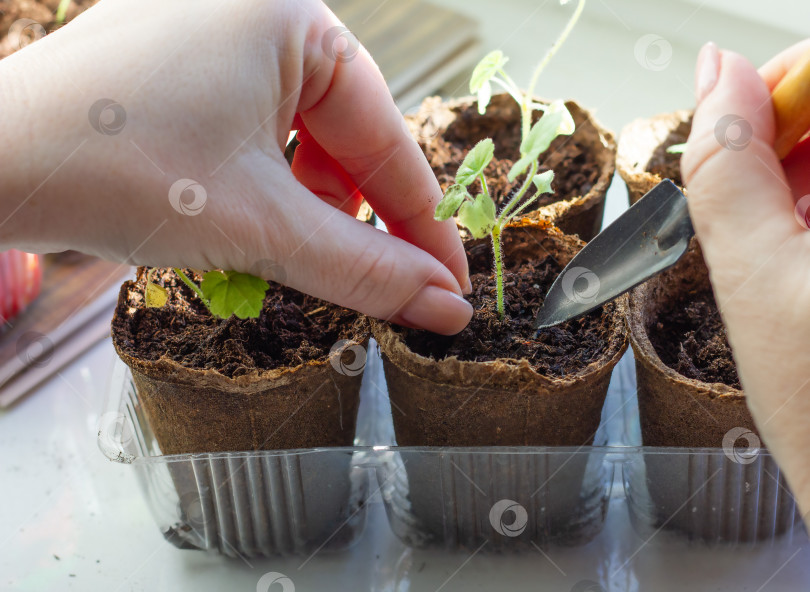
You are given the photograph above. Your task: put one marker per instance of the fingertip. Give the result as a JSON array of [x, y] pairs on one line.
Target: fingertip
[[438, 310]]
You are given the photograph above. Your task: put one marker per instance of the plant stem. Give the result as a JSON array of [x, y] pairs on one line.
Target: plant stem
[[187, 281], [61, 11], [484, 184], [496, 250], [555, 46], [502, 218]]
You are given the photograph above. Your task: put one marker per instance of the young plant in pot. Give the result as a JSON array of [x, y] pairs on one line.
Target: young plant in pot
[[224, 363], [584, 159], [499, 382]]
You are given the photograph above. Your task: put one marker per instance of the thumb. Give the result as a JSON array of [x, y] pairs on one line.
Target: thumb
[[330, 255], [739, 198]]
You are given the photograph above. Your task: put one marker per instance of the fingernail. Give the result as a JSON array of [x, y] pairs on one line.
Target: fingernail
[[467, 287], [707, 70], [437, 310]]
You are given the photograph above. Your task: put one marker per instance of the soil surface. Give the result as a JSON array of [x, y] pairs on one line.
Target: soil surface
[[691, 339], [557, 351], [41, 11], [664, 164], [446, 152], [292, 328]]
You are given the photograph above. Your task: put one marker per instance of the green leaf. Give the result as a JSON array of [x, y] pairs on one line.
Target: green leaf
[[233, 293], [543, 182], [520, 166], [453, 198], [156, 295], [475, 162], [677, 148], [478, 215], [486, 69], [556, 121]]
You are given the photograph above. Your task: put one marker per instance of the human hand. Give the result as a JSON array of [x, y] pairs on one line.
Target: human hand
[[207, 91], [750, 213]]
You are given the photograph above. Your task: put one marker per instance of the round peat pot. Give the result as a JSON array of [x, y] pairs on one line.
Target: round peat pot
[[642, 158], [553, 400], [734, 493], [216, 409], [583, 163]]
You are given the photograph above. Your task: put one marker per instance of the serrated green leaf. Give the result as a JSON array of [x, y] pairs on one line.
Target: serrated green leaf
[[484, 95], [556, 121], [475, 162], [233, 293], [486, 69], [677, 148], [453, 198], [543, 182], [156, 295], [478, 216]]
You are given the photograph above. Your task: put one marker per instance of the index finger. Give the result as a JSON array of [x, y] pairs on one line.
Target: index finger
[[346, 106]]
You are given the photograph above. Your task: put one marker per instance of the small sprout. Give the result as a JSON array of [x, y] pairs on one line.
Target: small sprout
[[156, 295], [676, 148], [61, 12], [479, 214]]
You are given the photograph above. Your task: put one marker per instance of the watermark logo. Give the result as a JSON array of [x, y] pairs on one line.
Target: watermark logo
[[653, 52], [801, 211], [581, 285], [275, 582], [107, 117], [34, 349], [25, 31], [114, 427], [340, 45], [348, 357], [270, 270], [178, 197], [733, 132], [742, 456], [501, 512]]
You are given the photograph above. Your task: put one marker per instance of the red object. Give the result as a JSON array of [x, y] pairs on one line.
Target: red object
[[20, 281]]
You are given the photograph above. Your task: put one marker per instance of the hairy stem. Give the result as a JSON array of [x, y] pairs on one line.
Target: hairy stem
[[504, 215], [484, 184], [187, 281], [496, 251]]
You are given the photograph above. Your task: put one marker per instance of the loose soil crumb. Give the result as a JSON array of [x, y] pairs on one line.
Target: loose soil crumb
[[292, 328], [691, 339], [557, 351], [446, 152]]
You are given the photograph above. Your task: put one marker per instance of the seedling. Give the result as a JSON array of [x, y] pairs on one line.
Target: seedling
[[61, 12], [677, 149], [224, 293], [478, 213]]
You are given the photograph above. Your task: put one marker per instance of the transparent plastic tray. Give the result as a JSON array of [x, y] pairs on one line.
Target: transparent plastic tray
[[495, 499]]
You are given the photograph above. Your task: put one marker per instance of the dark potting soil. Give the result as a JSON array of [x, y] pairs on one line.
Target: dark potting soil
[[557, 351], [664, 164], [292, 328], [40, 11], [446, 152], [690, 338]]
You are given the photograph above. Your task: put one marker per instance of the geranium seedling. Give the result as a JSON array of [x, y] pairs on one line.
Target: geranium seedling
[[478, 213], [224, 293]]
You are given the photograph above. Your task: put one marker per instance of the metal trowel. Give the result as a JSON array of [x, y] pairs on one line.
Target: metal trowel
[[654, 232], [647, 239]]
